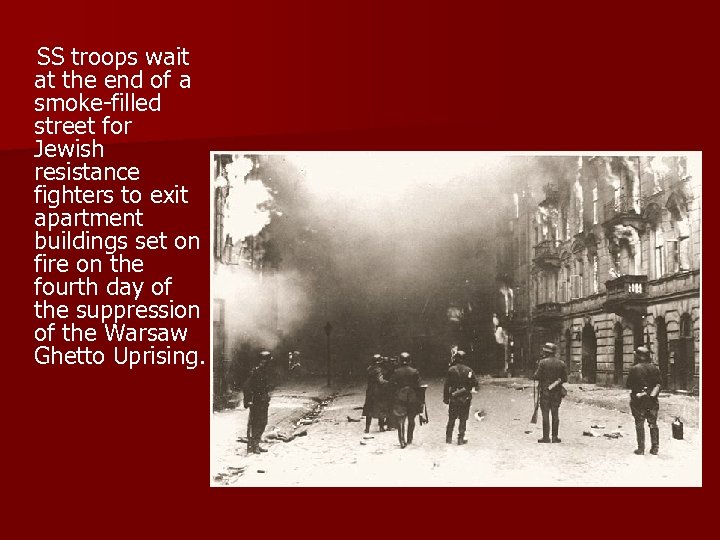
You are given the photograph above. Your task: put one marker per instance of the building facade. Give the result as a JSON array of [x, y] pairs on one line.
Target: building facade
[[608, 260]]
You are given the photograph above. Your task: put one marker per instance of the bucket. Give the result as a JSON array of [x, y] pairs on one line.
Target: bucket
[[677, 429]]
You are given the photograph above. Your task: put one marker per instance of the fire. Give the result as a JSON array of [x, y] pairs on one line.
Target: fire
[[247, 206]]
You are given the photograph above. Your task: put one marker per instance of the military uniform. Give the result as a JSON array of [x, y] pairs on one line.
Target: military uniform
[[457, 394], [256, 397], [375, 396], [549, 370], [405, 381], [643, 378]]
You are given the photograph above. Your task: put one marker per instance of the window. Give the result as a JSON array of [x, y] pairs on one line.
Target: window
[[660, 262], [595, 205], [576, 286], [673, 257], [594, 268]]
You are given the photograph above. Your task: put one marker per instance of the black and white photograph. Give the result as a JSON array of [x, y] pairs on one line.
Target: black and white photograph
[[441, 319]]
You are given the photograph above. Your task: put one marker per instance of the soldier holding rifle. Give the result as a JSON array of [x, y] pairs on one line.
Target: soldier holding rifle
[[551, 373]]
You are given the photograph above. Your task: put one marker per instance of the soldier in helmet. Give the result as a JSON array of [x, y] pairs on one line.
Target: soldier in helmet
[[551, 373], [256, 397], [405, 381], [375, 402], [644, 384], [457, 393]]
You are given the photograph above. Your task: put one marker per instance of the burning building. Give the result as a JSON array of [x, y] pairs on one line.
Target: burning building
[[608, 260]]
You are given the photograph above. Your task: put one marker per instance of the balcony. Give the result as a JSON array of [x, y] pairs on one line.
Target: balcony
[[625, 210], [547, 312], [627, 295], [547, 254]]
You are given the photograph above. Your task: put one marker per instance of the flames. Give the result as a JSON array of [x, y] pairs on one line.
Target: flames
[[249, 202]]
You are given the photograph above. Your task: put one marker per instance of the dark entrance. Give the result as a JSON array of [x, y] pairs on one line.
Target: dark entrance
[[684, 349], [589, 355], [662, 350], [568, 350], [618, 352]]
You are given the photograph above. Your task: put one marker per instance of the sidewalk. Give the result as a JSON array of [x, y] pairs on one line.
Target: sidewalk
[[292, 403], [671, 405]]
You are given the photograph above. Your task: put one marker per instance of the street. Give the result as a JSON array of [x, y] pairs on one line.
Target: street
[[502, 448]]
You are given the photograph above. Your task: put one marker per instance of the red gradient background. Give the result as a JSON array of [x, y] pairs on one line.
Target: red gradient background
[[102, 451]]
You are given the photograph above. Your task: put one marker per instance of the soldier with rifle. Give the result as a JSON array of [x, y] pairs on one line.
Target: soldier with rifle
[[460, 383], [644, 384], [256, 397], [551, 373]]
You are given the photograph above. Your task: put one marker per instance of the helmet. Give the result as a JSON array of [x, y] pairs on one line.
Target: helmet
[[459, 357], [264, 357], [405, 357], [642, 353], [549, 348]]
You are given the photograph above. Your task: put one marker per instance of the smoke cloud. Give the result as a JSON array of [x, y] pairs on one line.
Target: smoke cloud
[[379, 244]]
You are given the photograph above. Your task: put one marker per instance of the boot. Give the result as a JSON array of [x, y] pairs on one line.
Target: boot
[[640, 433], [401, 435], [410, 430], [461, 439], [448, 434], [654, 441], [555, 429]]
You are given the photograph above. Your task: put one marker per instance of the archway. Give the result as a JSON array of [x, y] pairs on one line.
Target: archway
[[618, 353], [568, 350], [662, 349], [589, 354], [685, 355]]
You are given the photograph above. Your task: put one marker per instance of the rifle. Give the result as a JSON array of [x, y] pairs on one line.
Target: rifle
[[536, 398], [426, 419]]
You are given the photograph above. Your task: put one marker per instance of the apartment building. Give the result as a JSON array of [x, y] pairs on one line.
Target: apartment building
[[609, 259]]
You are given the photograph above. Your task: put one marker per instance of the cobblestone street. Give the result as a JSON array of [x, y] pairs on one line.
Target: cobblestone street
[[502, 448]]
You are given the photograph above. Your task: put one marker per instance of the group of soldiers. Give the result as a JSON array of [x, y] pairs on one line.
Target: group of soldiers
[[643, 381], [395, 396]]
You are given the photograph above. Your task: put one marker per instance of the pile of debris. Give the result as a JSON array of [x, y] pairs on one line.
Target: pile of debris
[[594, 431]]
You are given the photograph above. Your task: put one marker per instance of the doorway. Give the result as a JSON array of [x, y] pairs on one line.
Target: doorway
[[662, 350], [618, 354], [684, 355], [589, 355], [568, 350]]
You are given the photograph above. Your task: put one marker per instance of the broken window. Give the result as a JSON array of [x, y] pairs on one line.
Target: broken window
[[595, 205], [594, 269], [660, 262]]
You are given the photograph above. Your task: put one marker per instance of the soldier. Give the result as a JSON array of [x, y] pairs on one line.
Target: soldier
[[644, 384], [460, 383], [256, 397], [375, 402], [405, 381], [387, 394], [551, 373]]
